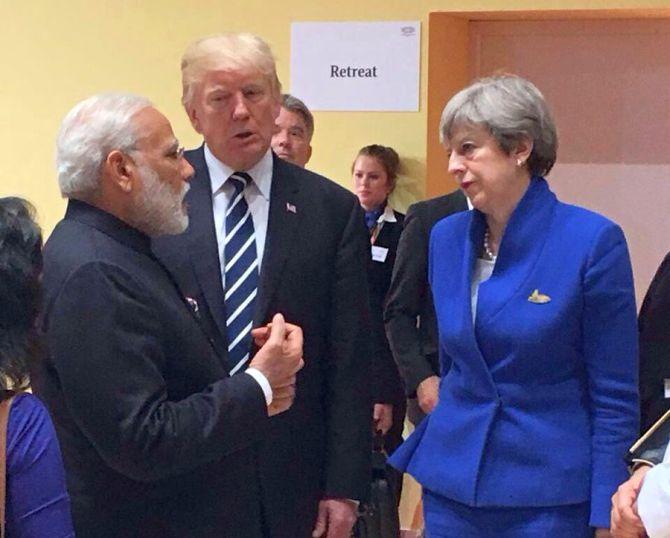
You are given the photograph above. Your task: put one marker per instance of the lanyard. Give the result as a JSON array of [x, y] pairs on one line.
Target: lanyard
[[376, 230]]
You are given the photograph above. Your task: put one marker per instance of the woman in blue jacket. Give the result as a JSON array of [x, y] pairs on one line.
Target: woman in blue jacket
[[536, 313]]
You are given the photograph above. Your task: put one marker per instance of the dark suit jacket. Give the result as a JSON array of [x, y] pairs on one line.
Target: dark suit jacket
[[654, 326], [156, 438], [387, 387], [313, 272], [415, 348]]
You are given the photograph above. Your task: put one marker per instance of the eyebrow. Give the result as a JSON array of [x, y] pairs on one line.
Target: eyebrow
[[173, 147]]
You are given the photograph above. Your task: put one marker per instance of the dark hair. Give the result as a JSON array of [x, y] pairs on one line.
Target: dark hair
[[387, 157], [295, 105], [20, 268]]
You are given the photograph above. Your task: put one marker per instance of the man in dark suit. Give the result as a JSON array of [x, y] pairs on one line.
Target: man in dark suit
[[295, 127], [410, 315], [304, 249], [654, 326], [156, 437]]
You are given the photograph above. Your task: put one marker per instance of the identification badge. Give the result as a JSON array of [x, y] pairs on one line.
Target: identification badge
[[379, 254], [666, 382]]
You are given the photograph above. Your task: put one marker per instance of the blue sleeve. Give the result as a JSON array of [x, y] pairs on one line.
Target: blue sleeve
[[610, 351], [38, 505]]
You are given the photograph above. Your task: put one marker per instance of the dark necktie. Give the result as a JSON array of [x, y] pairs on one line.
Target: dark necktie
[[241, 274]]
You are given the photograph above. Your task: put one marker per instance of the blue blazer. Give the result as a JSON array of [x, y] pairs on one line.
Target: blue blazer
[[541, 401]]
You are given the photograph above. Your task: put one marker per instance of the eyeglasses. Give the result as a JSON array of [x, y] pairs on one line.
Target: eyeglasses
[[179, 153]]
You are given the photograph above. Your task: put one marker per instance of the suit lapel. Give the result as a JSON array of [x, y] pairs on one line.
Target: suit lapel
[[520, 248], [458, 263], [204, 252], [286, 212]]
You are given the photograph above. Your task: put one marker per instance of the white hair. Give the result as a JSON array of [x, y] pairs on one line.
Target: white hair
[[511, 108], [88, 133]]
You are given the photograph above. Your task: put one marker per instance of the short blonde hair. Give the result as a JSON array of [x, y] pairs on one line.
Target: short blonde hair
[[226, 52]]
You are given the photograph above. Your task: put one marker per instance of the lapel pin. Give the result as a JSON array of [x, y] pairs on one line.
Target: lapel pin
[[290, 208], [193, 304], [538, 298]]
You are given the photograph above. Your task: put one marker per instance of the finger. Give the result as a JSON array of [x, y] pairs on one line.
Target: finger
[[288, 382], [293, 334], [320, 526], [260, 332], [277, 331], [284, 392], [376, 412], [338, 527], [291, 327]]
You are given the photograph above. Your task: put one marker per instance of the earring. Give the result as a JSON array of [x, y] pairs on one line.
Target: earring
[[519, 162]]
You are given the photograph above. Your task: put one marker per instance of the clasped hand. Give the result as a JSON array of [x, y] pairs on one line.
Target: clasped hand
[[279, 359]]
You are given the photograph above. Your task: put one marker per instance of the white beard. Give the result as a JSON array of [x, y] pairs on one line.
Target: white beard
[[158, 209]]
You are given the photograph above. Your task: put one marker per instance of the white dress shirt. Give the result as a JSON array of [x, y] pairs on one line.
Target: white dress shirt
[[257, 195], [482, 272], [653, 502]]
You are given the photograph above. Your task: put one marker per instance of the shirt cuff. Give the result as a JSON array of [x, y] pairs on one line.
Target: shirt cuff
[[263, 382]]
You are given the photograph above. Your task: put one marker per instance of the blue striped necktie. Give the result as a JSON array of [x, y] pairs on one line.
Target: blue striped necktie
[[241, 274]]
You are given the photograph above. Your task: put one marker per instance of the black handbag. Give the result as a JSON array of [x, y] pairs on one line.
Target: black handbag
[[378, 517]]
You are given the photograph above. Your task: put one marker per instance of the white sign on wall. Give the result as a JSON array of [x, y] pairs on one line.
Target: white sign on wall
[[356, 65]]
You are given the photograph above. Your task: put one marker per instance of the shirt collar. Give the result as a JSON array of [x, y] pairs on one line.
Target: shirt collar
[[387, 216], [261, 172]]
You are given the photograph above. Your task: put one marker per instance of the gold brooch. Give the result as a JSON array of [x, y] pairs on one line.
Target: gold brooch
[[538, 298]]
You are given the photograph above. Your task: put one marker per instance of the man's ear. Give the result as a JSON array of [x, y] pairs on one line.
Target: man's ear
[[309, 153], [522, 151], [276, 104], [120, 170], [192, 114]]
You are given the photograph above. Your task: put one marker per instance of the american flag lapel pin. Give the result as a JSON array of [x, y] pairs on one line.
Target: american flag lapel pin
[[290, 208]]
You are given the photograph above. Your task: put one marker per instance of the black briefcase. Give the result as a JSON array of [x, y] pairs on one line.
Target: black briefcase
[[378, 517]]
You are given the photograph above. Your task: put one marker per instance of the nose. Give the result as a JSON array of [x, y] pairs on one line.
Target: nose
[[362, 181], [455, 163], [187, 171], [240, 109], [283, 139]]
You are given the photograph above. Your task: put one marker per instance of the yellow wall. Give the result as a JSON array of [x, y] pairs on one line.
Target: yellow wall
[[54, 54]]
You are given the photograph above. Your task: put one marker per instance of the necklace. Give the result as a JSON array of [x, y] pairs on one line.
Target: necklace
[[487, 248]]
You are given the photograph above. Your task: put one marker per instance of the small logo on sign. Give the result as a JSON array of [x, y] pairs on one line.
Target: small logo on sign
[[408, 31]]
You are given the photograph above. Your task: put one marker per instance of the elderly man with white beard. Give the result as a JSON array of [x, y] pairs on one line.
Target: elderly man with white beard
[[154, 432]]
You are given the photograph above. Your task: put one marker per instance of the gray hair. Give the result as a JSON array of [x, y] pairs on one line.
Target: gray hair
[[512, 109], [90, 131], [226, 52], [295, 105]]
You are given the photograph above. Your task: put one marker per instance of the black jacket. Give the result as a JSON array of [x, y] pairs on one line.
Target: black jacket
[[654, 325], [156, 438], [415, 347]]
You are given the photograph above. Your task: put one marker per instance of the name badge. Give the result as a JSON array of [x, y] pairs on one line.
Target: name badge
[[666, 383], [379, 254]]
